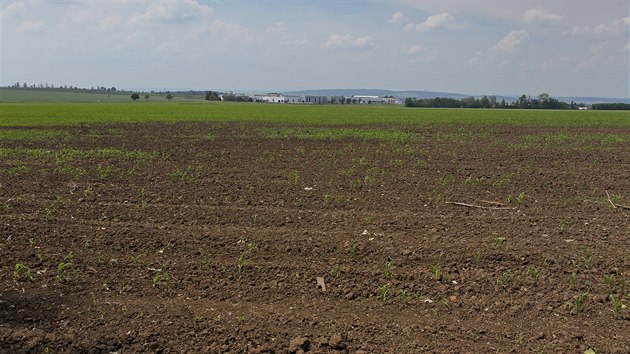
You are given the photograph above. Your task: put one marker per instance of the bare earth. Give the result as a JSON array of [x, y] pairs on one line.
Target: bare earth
[[215, 242]]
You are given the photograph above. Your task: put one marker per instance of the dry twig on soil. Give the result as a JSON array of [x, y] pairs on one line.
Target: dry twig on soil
[[480, 206], [615, 206], [492, 202]]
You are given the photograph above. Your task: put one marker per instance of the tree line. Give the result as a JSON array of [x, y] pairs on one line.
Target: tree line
[[543, 101], [47, 86], [226, 96], [612, 106]]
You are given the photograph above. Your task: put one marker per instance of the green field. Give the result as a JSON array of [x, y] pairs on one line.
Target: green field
[[12, 95], [64, 113]]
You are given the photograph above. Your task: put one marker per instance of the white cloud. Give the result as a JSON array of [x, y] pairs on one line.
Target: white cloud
[[280, 30], [30, 26], [600, 47], [414, 50], [512, 40], [398, 18], [610, 28], [576, 31], [233, 30], [14, 9], [110, 22], [337, 40], [613, 27], [166, 11], [443, 20], [169, 47], [540, 16], [364, 42], [349, 42]]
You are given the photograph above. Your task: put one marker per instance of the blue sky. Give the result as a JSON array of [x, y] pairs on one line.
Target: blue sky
[[563, 47]]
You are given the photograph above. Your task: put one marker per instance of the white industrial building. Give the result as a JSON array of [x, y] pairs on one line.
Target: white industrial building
[[360, 99]]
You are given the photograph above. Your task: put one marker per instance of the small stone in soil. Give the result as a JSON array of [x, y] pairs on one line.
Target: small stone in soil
[[299, 343]]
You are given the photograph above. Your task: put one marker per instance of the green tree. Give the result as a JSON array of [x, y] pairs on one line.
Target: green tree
[[212, 96], [146, 97], [543, 97], [135, 96], [169, 96], [493, 101], [485, 102], [522, 101]]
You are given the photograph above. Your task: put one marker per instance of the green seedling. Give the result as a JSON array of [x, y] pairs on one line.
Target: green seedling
[[50, 209], [160, 279], [446, 180], [135, 260], [48, 212], [352, 250], [503, 181], [534, 273], [294, 177], [241, 262], [610, 281], [578, 303], [404, 294], [63, 273], [383, 291], [623, 285], [506, 278], [335, 272], [436, 273], [388, 268], [586, 257], [499, 241], [22, 272], [520, 198], [615, 305], [250, 247], [478, 256], [474, 180], [573, 279]]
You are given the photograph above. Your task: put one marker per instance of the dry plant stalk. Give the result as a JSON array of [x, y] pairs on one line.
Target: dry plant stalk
[[480, 206], [615, 206]]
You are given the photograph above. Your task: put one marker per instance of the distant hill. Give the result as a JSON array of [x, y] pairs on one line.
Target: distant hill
[[433, 94]]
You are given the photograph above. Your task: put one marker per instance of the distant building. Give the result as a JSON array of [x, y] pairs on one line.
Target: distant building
[[316, 99], [313, 99], [294, 99], [268, 98], [369, 99]]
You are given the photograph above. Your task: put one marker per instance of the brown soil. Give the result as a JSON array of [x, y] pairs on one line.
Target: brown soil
[[216, 240]]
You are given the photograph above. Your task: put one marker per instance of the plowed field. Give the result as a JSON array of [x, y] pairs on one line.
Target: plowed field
[[252, 237]]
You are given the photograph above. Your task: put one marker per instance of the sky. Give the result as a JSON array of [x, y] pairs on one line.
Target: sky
[[502, 47]]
